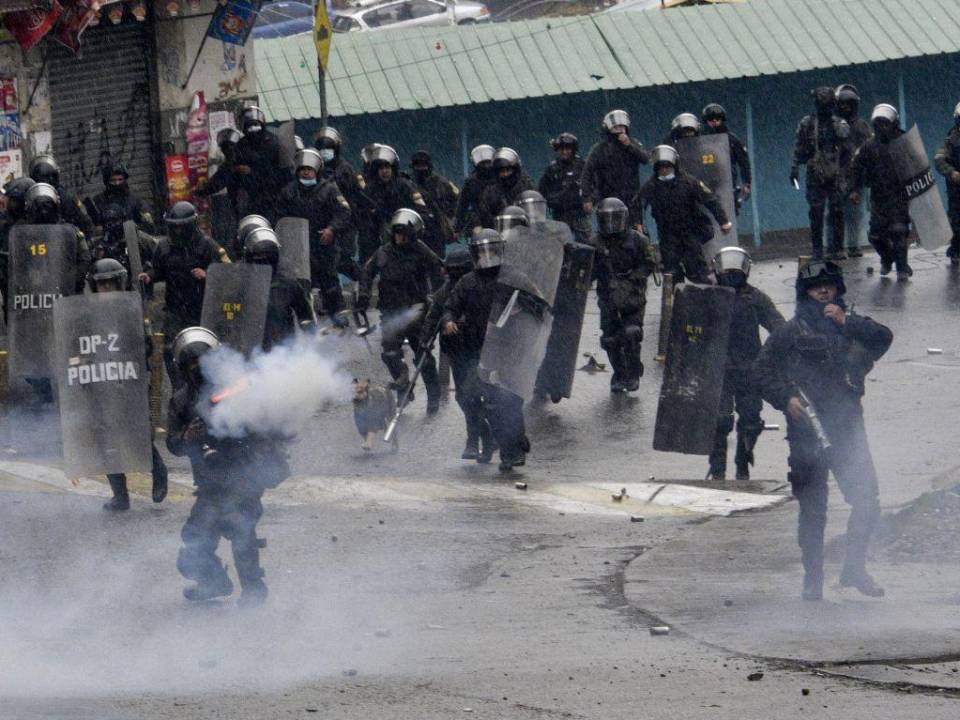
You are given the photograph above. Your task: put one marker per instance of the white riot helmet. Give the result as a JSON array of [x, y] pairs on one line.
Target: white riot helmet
[[614, 118], [533, 205], [732, 266], [511, 216], [482, 153], [190, 344], [612, 214], [408, 222], [886, 112], [248, 224], [486, 247], [384, 154], [309, 158], [685, 121], [665, 154]]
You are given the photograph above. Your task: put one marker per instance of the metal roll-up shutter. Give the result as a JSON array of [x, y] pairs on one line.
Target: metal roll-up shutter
[[100, 103]]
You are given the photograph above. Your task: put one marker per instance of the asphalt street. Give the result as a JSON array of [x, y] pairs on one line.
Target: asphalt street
[[416, 585]]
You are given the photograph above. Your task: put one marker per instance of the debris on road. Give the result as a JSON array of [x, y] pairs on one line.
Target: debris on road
[[520, 485], [934, 351], [636, 518], [753, 677], [660, 630], [350, 673]]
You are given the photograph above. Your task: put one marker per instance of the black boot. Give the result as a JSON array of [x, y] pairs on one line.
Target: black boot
[[121, 498], [433, 398], [744, 457], [210, 588], [718, 458], [488, 444], [860, 579], [160, 478], [471, 451]]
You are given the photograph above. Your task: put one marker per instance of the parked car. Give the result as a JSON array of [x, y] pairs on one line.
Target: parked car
[[410, 13], [283, 18]]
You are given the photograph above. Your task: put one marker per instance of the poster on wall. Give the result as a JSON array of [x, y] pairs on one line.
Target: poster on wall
[[178, 179], [10, 136], [233, 21], [219, 120], [198, 145], [75, 19], [11, 166]]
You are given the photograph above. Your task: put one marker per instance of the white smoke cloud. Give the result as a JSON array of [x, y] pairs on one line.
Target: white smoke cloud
[[277, 391]]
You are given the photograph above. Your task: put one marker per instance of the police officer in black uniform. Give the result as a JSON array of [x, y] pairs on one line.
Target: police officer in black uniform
[[16, 212], [613, 164], [43, 208], [117, 195], [714, 118], [258, 169], [480, 177], [402, 268], [510, 183], [684, 125], [560, 185], [112, 243], [848, 108], [319, 200], [675, 199], [947, 161], [623, 262], [824, 145], [352, 186], [752, 309], [813, 369], [180, 262], [389, 192], [872, 167], [44, 169], [441, 196], [223, 188]]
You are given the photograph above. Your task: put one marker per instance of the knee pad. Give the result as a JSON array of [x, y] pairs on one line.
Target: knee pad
[[725, 424], [610, 342], [633, 334]]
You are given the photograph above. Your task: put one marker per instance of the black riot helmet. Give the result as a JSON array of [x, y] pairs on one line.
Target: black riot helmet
[[713, 111], [252, 119], [533, 204], [685, 125], [44, 169], [16, 191], [565, 139], [421, 158], [486, 247], [107, 270], [819, 272], [181, 222], [408, 223], [42, 203], [189, 346], [732, 266], [848, 102], [612, 216], [457, 262], [261, 247], [111, 169], [511, 216], [824, 100]]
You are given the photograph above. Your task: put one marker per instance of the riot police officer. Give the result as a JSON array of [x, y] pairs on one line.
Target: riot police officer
[[848, 108], [44, 169], [684, 125], [16, 211], [675, 200], [389, 192], [481, 176], [714, 118], [534, 206], [320, 202], [112, 243], [223, 187], [402, 268], [813, 369], [624, 260], [560, 185], [613, 164], [440, 195], [752, 309], [510, 216], [258, 165], [872, 167], [108, 275], [42, 204], [230, 474], [947, 161], [511, 181], [465, 317], [823, 144], [117, 195], [181, 261], [352, 186]]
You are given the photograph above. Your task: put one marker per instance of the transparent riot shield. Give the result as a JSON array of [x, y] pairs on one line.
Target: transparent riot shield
[[920, 186]]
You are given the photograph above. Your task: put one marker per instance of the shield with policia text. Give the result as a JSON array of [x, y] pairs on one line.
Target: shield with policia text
[[522, 315], [42, 267], [707, 158], [558, 370], [294, 236], [920, 187], [693, 370], [235, 303], [100, 364]]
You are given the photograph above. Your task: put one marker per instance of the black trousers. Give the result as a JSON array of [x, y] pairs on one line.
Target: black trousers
[[739, 393], [823, 195]]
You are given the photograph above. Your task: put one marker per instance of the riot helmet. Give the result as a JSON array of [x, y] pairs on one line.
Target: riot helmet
[[422, 165], [181, 220], [565, 140], [44, 169], [367, 151], [511, 216], [665, 155], [732, 266], [252, 119], [685, 125], [328, 138], [612, 216], [106, 271], [406, 223], [384, 154], [309, 159], [818, 272], [615, 118], [482, 154], [885, 113], [713, 111], [16, 191], [848, 101], [824, 100], [248, 224], [533, 204], [298, 143], [457, 262], [189, 346], [506, 158], [486, 247], [42, 203], [112, 220], [261, 247]]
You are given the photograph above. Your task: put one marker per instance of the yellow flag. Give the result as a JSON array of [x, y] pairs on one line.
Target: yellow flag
[[322, 34]]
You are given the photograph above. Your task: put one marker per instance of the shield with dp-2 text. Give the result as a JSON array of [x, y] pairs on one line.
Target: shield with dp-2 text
[[919, 184], [693, 370], [707, 158], [42, 267], [293, 233], [235, 303], [522, 314], [100, 364]]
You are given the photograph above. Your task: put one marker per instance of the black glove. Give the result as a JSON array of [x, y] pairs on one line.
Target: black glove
[[362, 303]]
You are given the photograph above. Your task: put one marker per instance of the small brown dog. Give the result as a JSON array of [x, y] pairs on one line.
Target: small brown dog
[[373, 409]]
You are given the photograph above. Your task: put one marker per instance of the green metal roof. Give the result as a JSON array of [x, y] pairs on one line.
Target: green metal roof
[[384, 71]]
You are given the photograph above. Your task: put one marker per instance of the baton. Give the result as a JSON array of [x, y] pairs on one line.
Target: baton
[[401, 406], [811, 413]]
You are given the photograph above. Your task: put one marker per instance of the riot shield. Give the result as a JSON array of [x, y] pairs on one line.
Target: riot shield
[[693, 371], [99, 360], [522, 316], [42, 267], [288, 145], [235, 303], [920, 187], [131, 237], [856, 221], [560, 362], [707, 158], [294, 236]]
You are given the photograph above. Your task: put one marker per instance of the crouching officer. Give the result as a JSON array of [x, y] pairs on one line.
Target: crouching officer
[[752, 309], [230, 474], [813, 369], [109, 275], [624, 260], [403, 267]]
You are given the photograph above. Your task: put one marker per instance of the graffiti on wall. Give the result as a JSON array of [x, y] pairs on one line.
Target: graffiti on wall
[[236, 83]]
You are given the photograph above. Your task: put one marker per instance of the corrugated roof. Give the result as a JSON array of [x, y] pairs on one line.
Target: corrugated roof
[[383, 71]]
